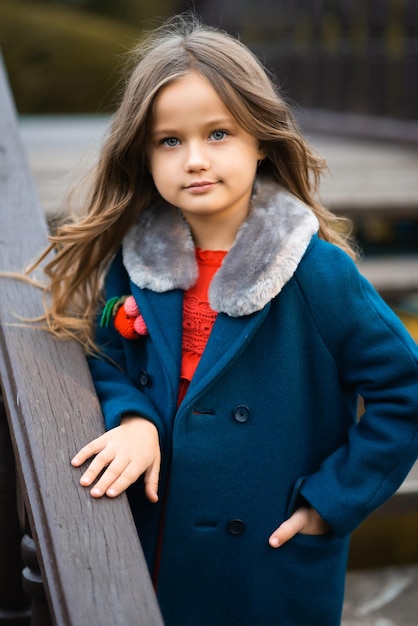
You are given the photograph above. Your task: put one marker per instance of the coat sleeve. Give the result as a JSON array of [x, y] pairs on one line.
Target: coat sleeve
[[376, 356], [117, 393]]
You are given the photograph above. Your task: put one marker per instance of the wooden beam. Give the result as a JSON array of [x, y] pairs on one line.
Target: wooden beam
[[392, 275]]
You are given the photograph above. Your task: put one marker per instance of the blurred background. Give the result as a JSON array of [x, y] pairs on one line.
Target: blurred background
[[349, 68], [357, 56]]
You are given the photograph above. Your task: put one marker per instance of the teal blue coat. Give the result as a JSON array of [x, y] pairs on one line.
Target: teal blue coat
[[269, 420]]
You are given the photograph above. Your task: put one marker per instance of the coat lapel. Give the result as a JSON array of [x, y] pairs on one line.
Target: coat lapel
[[229, 337]]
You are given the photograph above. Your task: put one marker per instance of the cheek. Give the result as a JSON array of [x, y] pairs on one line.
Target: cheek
[[160, 166], [164, 176], [150, 160], [157, 176], [154, 168]]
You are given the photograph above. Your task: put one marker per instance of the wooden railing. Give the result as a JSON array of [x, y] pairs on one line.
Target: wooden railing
[[83, 563]]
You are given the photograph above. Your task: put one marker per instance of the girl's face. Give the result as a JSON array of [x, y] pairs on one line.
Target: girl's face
[[200, 159]]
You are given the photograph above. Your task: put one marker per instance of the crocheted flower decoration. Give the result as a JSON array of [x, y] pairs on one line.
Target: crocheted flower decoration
[[126, 317]]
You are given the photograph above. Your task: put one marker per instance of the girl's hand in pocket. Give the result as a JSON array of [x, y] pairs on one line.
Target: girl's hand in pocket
[[305, 521]]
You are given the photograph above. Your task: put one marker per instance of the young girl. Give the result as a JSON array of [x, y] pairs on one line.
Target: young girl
[[233, 340]]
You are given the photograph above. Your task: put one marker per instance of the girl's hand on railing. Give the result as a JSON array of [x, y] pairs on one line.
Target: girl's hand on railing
[[124, 453]]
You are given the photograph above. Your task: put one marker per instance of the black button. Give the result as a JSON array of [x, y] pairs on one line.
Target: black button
[[144, 378], [235, 526], [241, 413]]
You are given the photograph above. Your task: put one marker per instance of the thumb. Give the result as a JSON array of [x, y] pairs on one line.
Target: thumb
[[287, 530], [151, 480]]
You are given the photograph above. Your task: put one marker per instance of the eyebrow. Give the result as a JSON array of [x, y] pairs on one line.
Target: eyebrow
[[167, 131]]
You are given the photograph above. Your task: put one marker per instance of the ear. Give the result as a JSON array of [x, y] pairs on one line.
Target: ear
[[261, 154]]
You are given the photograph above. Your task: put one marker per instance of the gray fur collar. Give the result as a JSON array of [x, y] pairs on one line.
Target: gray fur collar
[[158, 251]]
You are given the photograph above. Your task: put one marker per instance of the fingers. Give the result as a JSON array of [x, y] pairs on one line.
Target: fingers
[[304, 520], [121, 456], [119, 472], [88, 451], [103, 459], [151, 481], [115, 480], [287, 530]]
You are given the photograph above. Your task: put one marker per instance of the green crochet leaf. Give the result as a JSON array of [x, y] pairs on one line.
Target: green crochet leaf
[[107, 313]]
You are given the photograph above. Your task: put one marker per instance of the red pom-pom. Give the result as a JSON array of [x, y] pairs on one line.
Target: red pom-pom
[[140, 325], [131, 307], [128, 321], [125, 324]]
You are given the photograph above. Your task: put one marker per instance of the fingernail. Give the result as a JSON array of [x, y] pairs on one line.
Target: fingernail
[[96, 491], [111, 492], [274, 542], [75, 460]]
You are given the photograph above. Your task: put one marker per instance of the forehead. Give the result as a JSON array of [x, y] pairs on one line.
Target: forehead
[[189, 99]]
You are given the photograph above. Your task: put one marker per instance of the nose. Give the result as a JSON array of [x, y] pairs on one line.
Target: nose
[[197, 157]]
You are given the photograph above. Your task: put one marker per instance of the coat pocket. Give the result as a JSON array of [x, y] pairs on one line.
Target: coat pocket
[[317, 565], [297, 501]]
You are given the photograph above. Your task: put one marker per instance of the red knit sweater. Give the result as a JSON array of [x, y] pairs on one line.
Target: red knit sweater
[[198, 317]]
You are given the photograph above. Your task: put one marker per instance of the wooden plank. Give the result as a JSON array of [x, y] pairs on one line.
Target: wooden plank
[[14, 602], [90, 555], [410, 484], [405, 500], [369, 178], [355, 125], [392, 276]]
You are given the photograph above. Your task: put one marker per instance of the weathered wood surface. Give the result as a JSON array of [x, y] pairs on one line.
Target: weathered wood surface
[[369, 178], [405, 499], [90, 556], [392, 276]]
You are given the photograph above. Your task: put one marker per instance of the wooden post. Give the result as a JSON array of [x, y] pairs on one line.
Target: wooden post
[[33, 584], [14, 602]]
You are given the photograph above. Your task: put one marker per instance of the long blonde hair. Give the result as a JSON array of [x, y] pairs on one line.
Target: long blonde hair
[[122, 185]]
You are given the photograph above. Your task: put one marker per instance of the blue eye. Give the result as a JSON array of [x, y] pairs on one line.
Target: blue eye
[[170, 142], [218, 135]]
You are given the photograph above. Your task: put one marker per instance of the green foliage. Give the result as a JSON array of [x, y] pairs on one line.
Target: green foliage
[[60, 59], [137, 12]]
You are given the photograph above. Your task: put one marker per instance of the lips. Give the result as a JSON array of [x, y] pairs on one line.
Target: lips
[[201, 186]]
